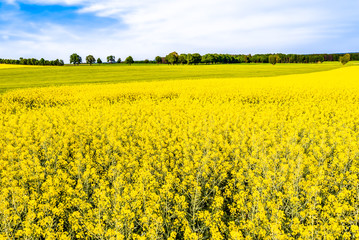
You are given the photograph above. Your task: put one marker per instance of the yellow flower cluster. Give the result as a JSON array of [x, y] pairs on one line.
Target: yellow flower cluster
[[255, 158]]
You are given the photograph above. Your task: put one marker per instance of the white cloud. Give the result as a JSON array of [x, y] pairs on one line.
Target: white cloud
[[10, 1], [52, 2], [146, 28]]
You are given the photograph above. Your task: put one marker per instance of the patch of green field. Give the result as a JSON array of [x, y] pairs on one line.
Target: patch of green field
[[36, 76]]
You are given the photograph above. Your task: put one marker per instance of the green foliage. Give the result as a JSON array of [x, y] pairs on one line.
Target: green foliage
[[272, 59], [99, 60], [345, 59], [42, 61], [172, 58], [158, 60], [182, 58], [111, 59], [33, 61], [119, 60], [208, 58], [90, 59], [75, 59], [189, 59], [196, 58], [257, 58], [129, 60], [57, 62]]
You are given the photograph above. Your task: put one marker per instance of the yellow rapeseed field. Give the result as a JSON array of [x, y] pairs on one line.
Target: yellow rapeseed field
[[255, 158], [4, 66]]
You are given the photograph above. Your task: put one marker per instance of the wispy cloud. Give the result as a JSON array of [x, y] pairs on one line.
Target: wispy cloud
[[148, 28]]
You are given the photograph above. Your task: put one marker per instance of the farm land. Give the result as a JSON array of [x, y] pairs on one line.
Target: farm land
[[236, 151]]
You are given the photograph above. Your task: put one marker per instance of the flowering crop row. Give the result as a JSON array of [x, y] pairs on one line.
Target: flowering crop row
[[258, 158]]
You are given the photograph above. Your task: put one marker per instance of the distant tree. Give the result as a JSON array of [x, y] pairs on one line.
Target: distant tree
[[111, 59], [90, 59], [23, 61], [75, 59], [345, 59], [197, 58], [146, 61], [190, 59], [172, 58], [33, 61], [182, 59], [129, 60], [208, 58], [246, 60], [42, 62], [321, 58], [291, 58], [158, 60], [272, 59], [250, 58], [99, 60], [119, 60], [281, 58], [354, 56]]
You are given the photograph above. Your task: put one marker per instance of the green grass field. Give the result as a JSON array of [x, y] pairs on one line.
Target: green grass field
[[39, 76]]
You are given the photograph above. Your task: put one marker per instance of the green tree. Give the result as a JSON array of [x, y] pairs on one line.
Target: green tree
[[208, 58], [182, 58], [272, 59], [119, 60], [99, 60], [90, 59], [172, 58], [158, 60], [197, 58], [111, 59], [61, 63], [42, 62], [129, 60], [75, 59], [190, 59], [246, 60], [345, 59], [58, 62], [146, 61]]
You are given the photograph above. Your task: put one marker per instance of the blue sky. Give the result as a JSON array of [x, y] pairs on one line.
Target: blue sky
[[147, 28]]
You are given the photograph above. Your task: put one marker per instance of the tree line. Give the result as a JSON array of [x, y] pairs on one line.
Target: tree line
[[90, 59], [196, 58], [33, 61]]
